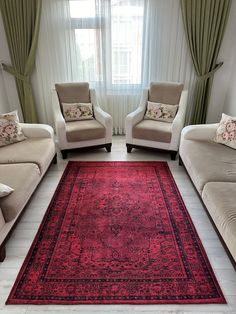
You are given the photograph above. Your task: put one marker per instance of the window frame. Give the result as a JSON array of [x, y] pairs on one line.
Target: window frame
[[98, 23]]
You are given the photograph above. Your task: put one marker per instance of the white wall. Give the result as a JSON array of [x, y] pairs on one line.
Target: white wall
[[222, 77], [230, 101]]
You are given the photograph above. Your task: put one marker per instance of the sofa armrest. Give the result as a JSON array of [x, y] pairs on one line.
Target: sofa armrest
[[37, 130], [200, 132]]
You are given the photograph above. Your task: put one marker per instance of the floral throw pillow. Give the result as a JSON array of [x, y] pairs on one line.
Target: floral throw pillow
[[226, 131], [10, 129], [161, 112], [77, 111]]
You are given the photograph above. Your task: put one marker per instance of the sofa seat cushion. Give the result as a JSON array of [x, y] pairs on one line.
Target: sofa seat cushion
[[23, 178], [84, 130], [207, 161], [33, 150], [151, 130], [219, 198]]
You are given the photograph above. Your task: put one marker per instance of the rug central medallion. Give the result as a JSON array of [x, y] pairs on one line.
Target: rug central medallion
[[116, 232]]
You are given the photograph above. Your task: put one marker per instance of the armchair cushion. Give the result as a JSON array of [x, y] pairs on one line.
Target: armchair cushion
[[77, 111], [160, 112], [73, 92], [84, 130], [166, 93], [153, 131]]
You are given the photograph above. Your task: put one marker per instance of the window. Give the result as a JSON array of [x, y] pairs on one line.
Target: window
[[82, 8], [108, 37], [126, 33], [87, 30]]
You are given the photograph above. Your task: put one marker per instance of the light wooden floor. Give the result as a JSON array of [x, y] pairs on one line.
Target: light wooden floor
[[21, 239]]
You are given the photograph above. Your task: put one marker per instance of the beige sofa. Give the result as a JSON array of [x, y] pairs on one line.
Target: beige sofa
[[22, 166], [212, 168]]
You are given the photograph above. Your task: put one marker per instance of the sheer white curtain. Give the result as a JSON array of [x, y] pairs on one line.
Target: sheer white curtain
[[165, 53], [118, 46], [54, 55]]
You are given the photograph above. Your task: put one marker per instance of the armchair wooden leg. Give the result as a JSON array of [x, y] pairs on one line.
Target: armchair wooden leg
[[64, 154], [2, 253], [173, 155], [108, 147], [129, 148]]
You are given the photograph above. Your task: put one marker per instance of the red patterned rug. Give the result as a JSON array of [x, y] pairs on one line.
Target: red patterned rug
[[116, 232]]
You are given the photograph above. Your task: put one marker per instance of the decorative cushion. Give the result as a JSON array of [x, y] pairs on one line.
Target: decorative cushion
[[5, 190], [10, 129], [226, 131], [77, 111], [160, 112]]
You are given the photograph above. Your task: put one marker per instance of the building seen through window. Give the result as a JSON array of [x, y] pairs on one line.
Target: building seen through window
[[108, 36]]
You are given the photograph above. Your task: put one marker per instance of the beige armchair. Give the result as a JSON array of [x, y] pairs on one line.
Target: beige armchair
[[149, 133], [95, 132]]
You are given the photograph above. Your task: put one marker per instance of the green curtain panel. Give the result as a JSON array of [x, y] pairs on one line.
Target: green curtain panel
[[21, 19], [204, 23]]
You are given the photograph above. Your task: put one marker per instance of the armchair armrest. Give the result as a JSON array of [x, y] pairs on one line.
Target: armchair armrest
[[178, 122], [135, 117], [59, 120], [199, 132], [132, 119], [37, 130], [101, 116]]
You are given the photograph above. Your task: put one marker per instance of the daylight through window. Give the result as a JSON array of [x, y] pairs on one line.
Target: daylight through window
[[108, 36]]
